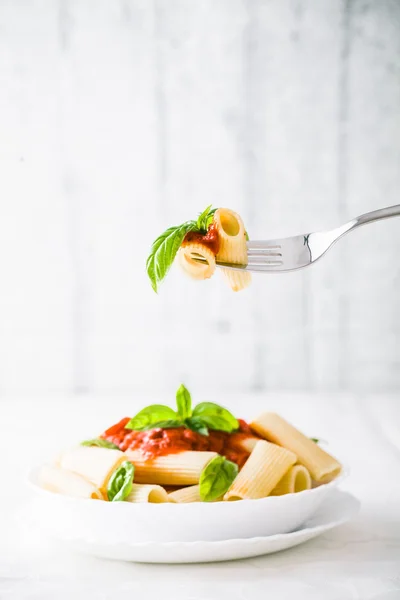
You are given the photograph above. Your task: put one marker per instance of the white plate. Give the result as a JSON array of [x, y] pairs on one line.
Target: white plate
[[124, 523], [338, 508]]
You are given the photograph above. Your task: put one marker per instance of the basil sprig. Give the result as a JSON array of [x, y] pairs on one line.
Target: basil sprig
[[149, 416], [216, 478], [165, 247], [183, 402], [203, 417], [120, 483], [216, 417], [196, 424], [205, 219], [100, 443]]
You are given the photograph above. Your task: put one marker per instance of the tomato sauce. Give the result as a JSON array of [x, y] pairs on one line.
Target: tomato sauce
[[210, 239], [158, 441]]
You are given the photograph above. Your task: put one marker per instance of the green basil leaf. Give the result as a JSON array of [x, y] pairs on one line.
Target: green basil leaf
[[100, 443], [216, 478], [196, 424], [163, 252], [246, 235], [216, 417], [316, 440], [217, 423], [150, 415], [168, 424], [120, 482], [205, 219], [183, 402]]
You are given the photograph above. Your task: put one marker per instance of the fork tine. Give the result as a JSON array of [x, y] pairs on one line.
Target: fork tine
[[264, 245], [254, 268], [264, 260], [263, 252]]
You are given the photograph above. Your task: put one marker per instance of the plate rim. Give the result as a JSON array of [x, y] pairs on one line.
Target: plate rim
[[353, 501]]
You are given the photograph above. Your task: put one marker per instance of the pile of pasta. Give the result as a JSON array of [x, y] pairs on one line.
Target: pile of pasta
[[282, 461]]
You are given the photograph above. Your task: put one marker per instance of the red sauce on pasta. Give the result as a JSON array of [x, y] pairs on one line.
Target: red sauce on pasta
[[210, 239], [158, 442]]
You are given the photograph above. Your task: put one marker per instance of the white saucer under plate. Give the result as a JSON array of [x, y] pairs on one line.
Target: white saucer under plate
[[338, 508]]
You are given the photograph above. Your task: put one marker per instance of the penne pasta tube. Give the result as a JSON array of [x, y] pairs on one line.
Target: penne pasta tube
[[147, 493], [187, 256], [93, 463], [61, 481], [266, 465], [190, 493], [232, 246], [183, 468], [322, 466], [248, 443], [297, 479]]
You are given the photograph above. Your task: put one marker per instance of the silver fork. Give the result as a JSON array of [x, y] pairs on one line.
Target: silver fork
[[299, 251]]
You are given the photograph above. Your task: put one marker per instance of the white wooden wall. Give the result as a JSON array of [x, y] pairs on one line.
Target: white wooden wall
[[119, 118]]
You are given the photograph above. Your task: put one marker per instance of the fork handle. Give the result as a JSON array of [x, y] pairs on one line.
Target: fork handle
[[377, 215], [371, 217]]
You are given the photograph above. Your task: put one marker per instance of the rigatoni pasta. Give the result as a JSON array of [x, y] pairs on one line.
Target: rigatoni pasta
[[183, 468], [197, 260], [189, 454], [61, 481], [297, 479], [191, 493], [154, 494], [321, 465], [232, 246], [264, 468], [217, 235], [94, 464], [248, 443]]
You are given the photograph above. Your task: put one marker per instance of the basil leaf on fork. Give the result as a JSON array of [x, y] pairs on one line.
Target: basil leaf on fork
[[205, 219], [165, 247], [164, 250]]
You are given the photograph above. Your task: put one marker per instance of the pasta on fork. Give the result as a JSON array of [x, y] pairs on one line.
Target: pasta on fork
[[217, 234], [187, 454]]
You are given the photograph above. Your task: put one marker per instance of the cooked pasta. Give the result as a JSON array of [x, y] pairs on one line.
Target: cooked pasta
[[232, 246], [183, 468], [297, 479], [61, 481], [187, 494], [247, 443], [190, 493], [191, 453], [321, 465], [266, 465], [94, 464], [148, 493], [216, 233], [189, 256]]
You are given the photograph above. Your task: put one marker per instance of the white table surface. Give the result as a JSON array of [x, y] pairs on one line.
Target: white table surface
[[359, 560]]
